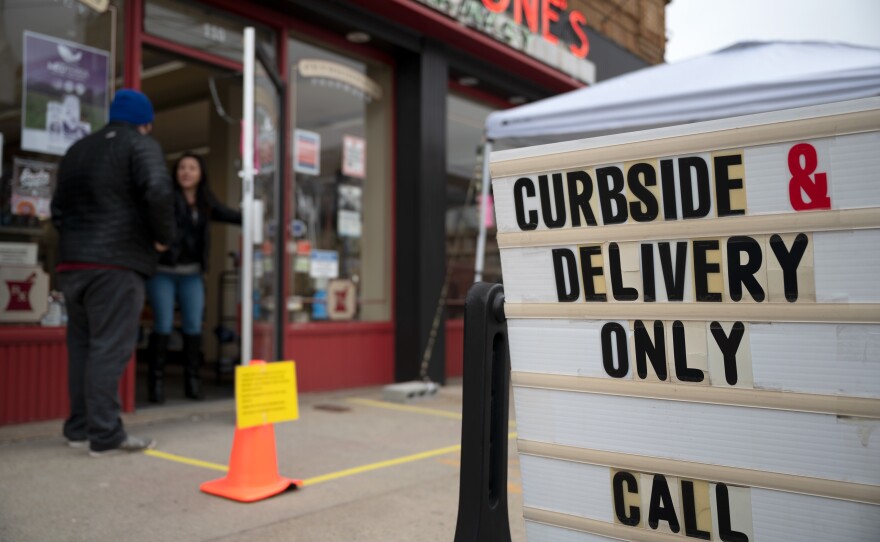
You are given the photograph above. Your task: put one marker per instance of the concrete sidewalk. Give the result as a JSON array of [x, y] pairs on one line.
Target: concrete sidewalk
[[373, 471]]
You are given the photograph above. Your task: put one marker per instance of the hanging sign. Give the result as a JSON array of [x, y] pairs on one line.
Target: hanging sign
[[694, 315], [66, 89]]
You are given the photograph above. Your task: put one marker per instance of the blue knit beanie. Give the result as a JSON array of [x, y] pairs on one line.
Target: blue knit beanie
[[131, 106]]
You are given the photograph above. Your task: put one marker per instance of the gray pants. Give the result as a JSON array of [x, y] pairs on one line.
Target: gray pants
[[103, 309]]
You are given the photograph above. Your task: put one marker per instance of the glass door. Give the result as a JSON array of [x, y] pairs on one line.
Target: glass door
[[266, 230]]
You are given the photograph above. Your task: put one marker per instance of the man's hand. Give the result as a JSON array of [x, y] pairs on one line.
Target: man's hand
[[159, 246]]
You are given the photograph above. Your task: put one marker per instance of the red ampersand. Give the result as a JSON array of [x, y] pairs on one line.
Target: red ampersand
[[804, 183]]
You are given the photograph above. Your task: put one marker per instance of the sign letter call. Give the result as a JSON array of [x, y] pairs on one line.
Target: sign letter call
[[679, 506]]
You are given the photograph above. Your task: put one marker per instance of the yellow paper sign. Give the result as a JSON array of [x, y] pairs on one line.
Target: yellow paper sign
[[265, 393]]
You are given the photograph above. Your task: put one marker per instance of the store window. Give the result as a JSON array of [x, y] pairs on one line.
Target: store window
[[340, 246], [202, 27], [60, 62], [466, 120]]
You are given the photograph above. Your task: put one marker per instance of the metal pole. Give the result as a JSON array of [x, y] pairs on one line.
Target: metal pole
[[247, 203], [484, 205]]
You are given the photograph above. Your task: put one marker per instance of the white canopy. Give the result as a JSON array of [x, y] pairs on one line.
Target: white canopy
[[749, 77]]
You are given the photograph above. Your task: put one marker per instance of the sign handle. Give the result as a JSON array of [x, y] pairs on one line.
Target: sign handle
[[482, 498], [483, 209]]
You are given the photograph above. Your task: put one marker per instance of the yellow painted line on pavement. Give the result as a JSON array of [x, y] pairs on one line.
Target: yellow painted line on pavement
[[405, 408], [381, 465], [326, 477], [186, 460], [389, 463], [409, 408]]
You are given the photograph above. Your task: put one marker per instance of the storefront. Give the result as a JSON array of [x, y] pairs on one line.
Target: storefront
[[368, 129]]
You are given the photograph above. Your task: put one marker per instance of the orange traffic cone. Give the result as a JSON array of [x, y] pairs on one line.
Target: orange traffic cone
[[253, 468]]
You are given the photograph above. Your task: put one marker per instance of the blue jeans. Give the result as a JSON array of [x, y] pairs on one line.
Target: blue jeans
[[189, 290]]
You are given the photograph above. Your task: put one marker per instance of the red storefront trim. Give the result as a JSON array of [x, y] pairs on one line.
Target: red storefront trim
[[436, 25], [487, 98], [134, 10], [332, 356], [191, 53]]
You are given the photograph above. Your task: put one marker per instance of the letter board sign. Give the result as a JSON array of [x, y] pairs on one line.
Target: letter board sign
[[694, 328]]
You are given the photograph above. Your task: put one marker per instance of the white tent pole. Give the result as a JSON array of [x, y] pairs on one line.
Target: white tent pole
[[247, 203], [484, 205]]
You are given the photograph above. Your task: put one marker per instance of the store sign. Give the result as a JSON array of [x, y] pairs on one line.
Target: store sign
[[543, 29], [694, 327]]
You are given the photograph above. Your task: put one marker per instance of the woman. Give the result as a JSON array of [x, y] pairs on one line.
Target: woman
[[180, 275]]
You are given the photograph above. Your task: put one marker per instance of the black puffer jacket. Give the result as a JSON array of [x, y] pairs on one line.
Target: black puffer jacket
[[113, 200], [215, 210]]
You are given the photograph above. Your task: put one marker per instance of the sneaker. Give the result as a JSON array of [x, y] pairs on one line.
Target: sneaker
[[77, 443], [130, 444]]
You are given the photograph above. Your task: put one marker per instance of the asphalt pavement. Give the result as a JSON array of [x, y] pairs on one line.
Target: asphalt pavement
[[372, 471]]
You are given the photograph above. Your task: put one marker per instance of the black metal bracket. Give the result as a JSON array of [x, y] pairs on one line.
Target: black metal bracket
[[482, 497]]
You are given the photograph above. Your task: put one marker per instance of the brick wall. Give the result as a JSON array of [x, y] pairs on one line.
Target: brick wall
[[637, 25]]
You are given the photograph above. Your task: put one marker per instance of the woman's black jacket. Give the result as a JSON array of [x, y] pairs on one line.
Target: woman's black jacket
[[216, 211]]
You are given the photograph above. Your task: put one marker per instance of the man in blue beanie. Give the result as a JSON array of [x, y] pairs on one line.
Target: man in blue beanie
[[113, 210]]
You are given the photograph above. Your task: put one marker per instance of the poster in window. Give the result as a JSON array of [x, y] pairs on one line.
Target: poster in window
[[354, 156], [32, 185], [349, 211], [66, 91], [307, 152], [324, 264]]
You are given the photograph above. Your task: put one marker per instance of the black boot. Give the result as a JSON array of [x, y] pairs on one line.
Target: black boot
[[192, 360], [158, 352]]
